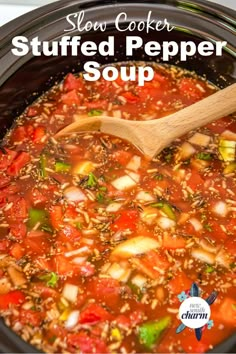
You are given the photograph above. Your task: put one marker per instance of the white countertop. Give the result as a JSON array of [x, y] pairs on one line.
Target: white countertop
[[10, 9]]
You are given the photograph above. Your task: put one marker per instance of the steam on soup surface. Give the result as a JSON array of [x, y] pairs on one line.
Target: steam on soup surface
[[96, 241]]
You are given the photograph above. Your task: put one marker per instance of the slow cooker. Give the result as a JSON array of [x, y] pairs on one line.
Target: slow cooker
[[23, 79]]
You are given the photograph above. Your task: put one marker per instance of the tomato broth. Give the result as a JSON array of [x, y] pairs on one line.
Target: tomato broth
[[98, 244]]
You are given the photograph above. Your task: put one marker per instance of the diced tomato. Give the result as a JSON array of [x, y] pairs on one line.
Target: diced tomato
[[87, 269], [4, 181], [32, 111], [230, 245], [70, 232], [37, 197], [187, 86], [127, 219], [70, 98], [149, 90], [123, 321], [22, 133], [70, 212], [15, 297], [231, 225], [98, 104], [17, 251], [4, 244], [85, 343], [94, 313], [226, 312], [3, 201], [44, 291], [9, 191], [72, 83], [105, 289], [19, 162], [63, 266], [6, 158], [44, 264], [150, 264], [18, 134], [37, 243], [170, 242], [136, 317], [18, 210], [18, 230], [56, 216], [30, 317], [122, 157], [179, 282], [130, 97], [216, 232], [38, 134], [195, 181]]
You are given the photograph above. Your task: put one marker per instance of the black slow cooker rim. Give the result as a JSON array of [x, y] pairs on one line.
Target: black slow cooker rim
[[10, 341]]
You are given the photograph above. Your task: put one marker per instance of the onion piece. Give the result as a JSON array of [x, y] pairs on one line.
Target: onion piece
[[203, 256], [117, 113], [17, 277], [77, 251], [79, 260], [74, 194], [135, 163], [133, 175], [134, 246], [72, 319], [70, 292], [165, 223], [5, 286], [228, 135], [116, 271], [149, 215], [196, 224], [223, 258], [139, 280], [123, 183], [207, 246], [220, 208], [186, 151], [200, 139], [144, 196], [113, 207], [83, 168]]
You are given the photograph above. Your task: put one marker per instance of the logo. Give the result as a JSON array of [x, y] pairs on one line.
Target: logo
[[195, 312]]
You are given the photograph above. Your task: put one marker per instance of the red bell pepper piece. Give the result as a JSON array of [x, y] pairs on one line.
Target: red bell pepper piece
[[127, 219], [93, 314], [15, 297], [19, 162]]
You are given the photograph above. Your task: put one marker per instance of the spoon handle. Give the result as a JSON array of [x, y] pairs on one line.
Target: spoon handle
[[216, 106]]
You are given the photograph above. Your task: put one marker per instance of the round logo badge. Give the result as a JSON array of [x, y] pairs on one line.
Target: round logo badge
[[194, 312]]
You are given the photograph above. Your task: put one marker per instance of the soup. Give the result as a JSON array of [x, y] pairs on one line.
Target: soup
[[98, 244]]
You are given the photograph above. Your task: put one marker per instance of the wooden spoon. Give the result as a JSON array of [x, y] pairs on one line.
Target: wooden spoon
[[154, 135]]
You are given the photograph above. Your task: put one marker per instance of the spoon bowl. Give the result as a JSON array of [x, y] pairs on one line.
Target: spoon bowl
[[152, 136]]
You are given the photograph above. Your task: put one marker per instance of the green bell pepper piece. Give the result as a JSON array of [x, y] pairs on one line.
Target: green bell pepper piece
[[150, 332], [62, 166], [37, 215], [166, 208], [43, 165]]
